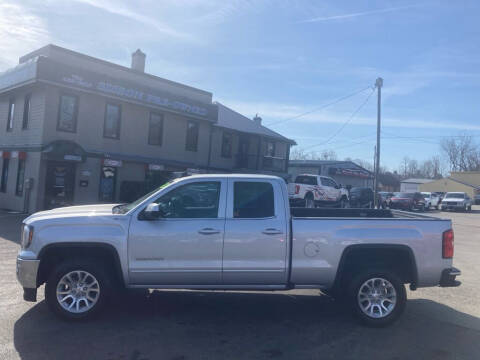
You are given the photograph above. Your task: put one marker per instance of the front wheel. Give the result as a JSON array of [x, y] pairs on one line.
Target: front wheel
[[378, 297], [77, 289]]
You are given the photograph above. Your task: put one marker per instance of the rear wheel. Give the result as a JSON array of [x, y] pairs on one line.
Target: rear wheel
[[309, 201], [77, 289], [378, 297]]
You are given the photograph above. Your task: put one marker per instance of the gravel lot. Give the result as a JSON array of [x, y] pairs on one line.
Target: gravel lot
[[437, 324]]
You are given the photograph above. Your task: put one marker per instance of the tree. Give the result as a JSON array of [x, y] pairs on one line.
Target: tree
[[301, 154], [462, 152]]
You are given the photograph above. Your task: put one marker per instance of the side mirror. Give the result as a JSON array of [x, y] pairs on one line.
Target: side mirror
[[152, 212]]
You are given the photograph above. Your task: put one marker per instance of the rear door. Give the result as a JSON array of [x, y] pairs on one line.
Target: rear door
[[255, 242]]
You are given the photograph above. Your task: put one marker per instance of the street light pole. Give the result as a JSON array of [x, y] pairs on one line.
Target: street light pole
[[378, 85]]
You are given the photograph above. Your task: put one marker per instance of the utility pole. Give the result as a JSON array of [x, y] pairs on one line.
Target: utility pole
[[378, 85]]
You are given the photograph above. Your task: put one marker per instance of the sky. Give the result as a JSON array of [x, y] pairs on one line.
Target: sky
[[282, 59]]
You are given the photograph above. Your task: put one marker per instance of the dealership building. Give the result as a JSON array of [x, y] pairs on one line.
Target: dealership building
[[76, 129]]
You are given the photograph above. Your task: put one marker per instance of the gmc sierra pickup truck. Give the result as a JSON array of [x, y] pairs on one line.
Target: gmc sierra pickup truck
[[232, 232]]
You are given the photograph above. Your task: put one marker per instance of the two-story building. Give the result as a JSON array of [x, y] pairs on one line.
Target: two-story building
[[76, 129]]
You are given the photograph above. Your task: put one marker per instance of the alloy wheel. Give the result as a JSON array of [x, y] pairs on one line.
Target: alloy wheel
[[377, 298], [78, 291]]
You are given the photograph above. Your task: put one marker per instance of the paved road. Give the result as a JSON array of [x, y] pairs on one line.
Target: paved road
[[438, 323]]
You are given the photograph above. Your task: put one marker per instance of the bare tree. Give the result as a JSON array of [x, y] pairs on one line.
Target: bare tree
[[301, 154], [462, 153]]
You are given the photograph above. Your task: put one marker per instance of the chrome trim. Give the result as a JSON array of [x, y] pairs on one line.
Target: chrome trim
[[27, 271]]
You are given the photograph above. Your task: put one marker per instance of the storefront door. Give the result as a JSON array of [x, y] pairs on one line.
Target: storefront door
[[59, 184]]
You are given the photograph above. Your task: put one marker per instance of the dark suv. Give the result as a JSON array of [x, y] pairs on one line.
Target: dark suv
[[407, 201], [361, 197]]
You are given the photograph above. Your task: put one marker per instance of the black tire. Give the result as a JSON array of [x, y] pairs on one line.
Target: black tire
[[309, 201], [401, 297], [71, 265]]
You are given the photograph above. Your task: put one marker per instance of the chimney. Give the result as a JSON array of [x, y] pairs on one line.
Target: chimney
[[138, 61], [257, 119]]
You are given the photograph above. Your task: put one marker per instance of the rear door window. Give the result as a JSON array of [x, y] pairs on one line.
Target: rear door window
[[307, 180], [253, 200]]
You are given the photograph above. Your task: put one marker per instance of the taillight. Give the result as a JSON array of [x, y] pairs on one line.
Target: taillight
[[297, 189], [447, 244]]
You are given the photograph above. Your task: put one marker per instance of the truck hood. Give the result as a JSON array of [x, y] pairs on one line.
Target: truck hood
[[454, 199], [82, 210]]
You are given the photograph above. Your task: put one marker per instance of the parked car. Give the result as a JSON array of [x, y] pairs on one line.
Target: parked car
[[477, 199], [361, 197], [457, 201], [408, 201], [431, 200], [314, 190], [385, 198], [239, 234]]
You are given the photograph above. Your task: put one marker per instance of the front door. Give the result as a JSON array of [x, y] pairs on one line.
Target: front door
[[59, 184], [184, 246], [255, 243]]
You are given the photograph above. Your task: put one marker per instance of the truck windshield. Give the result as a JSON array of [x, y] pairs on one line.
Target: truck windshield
[[307, 180], [124, 208], [455, 195]]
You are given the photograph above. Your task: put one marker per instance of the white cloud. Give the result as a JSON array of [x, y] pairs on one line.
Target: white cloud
[[273, 112], [358, 14], [121, 10], [20, 32]]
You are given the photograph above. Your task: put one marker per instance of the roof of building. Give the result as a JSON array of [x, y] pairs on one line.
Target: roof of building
[[51, 50], [464, 183], [417, 181], [308, 163], [230, 119]]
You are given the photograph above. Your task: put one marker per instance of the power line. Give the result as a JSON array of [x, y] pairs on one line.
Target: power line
[[350, 118], [320, 107]]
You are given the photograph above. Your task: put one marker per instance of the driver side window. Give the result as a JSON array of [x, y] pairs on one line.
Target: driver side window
[[194, 200]]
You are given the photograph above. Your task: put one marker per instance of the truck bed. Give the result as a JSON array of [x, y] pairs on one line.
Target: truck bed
[[301, 212]]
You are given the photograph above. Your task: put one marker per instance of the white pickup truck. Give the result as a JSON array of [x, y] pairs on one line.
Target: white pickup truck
[[232, 232], [315, 190]]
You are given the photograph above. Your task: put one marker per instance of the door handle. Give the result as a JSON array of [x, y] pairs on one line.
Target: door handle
[[272, 231], [208, 231]]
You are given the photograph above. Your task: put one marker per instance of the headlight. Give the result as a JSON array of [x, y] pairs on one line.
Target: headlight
[[27, 236]]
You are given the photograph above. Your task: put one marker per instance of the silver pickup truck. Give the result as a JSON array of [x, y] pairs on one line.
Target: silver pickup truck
[[232, 232]]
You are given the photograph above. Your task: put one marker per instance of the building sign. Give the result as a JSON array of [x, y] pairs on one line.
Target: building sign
[[349, 172], [70, 157], [19, 74], [63, 74], [156, 167], [113, 163]]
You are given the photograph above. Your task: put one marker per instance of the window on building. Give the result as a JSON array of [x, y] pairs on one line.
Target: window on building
[[227, 140], [194, 200], [155, 131], [20, 177], [67, 113], [11, 112], [253, 200], [3, 183], [270, 149], [26, 111], [192, 136], [111, 129]]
